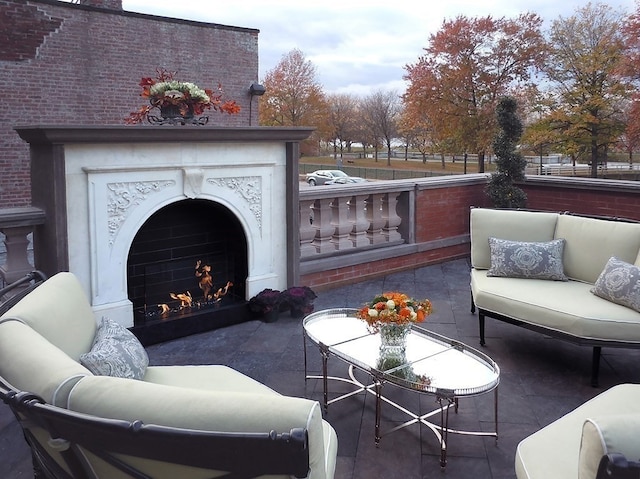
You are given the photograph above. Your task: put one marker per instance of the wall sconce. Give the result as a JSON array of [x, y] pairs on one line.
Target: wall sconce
[[256, 89]]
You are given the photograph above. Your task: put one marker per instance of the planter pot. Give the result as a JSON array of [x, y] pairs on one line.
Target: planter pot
[[173, 112], [300, 312], [271, 317]]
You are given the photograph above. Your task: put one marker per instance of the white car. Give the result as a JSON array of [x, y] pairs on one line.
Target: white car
[[320, 177]]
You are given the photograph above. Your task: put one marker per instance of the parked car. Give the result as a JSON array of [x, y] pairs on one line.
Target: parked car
[[321, 177], [343, 180]]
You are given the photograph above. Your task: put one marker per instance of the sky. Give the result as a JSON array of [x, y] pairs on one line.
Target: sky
[[357, 46]]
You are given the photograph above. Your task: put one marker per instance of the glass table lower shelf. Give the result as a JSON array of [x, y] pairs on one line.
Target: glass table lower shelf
[[430, 364]]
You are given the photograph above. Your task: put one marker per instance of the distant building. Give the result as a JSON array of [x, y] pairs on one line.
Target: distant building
[[81, 63]]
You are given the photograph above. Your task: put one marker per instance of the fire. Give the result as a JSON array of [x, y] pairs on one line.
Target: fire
[[185, 299], [205, 282]]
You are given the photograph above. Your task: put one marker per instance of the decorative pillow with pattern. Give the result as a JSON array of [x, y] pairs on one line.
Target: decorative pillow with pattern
[[116, 352], [619, 283], [532, 260]]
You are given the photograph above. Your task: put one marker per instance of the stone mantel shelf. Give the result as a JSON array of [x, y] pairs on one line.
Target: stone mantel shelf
[[56, 134]]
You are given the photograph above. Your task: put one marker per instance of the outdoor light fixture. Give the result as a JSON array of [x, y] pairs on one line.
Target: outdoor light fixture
[[256, 89]]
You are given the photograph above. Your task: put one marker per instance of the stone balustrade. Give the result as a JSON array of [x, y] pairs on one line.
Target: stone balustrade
[[352, 231], [349, 218]]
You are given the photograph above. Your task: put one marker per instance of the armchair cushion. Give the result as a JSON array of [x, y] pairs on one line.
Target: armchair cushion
[[604, 435], [116, 352], [221, 410], [524, 259], [619, 283]]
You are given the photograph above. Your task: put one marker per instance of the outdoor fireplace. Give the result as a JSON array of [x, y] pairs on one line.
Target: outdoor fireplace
[[139, 214]]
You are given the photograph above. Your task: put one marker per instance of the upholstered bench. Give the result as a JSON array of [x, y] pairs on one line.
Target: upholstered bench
[[567, 276]]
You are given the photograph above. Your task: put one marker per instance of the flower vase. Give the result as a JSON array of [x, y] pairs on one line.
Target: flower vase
[[393, 338]]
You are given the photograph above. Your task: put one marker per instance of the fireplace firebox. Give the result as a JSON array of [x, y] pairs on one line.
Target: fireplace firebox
[[186, 271]]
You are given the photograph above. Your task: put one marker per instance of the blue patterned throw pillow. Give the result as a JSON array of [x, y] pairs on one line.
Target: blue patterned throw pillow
[[619, 283], [532, 260], [116, 352]]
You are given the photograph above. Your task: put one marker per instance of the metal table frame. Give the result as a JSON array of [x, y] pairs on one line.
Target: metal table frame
[[446, 399]]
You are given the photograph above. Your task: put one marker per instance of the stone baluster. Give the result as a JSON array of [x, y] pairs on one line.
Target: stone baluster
[[390, 215], [340, 221], [358, 221], [374, 216], [322, 224], [17, 224], [307, 231]]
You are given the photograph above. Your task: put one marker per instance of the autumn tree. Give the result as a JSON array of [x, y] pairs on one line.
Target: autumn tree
[[468, 64], [293, 96], [584, 66], [510, 162], [631, 32], [380, 112], [342, 121]]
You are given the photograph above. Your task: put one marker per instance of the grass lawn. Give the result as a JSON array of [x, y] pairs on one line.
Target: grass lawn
[[400, 164]]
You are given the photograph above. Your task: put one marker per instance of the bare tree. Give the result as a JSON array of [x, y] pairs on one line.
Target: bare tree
[[380, 113], [343, 111]]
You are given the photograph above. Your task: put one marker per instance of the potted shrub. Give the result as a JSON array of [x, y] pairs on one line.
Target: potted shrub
[[298, 300], [266, 304]]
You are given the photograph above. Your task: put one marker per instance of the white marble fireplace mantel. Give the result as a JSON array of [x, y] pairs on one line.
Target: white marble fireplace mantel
[[99, 184]]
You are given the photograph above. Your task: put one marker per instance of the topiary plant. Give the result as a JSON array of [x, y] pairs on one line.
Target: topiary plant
[[510, 163]]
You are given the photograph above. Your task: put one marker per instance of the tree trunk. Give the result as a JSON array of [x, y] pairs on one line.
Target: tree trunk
[[481, 162], [594, 157]]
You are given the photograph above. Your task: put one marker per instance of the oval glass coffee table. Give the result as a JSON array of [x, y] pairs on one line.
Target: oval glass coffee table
[[431, 364]]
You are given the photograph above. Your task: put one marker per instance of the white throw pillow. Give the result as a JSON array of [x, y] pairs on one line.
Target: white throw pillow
[[116, 352]]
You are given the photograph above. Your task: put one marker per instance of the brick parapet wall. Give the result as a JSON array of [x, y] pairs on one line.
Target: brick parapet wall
[[76, 64], [442, 212], [598, 197]]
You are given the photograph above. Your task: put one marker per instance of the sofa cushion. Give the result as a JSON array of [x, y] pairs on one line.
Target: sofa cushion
[[70, 325], [553, 451], [567, 306], [619, 282], [31, 363], [605, 434], [506, 224], [591, 242], [523, 259], [116, 352]]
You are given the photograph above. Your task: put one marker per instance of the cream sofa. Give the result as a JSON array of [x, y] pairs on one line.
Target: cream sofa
[[43, 337], [564, 309]]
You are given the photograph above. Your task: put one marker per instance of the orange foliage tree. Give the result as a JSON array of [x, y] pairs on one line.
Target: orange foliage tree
[[468, 64], [294, 97], [631, 31]]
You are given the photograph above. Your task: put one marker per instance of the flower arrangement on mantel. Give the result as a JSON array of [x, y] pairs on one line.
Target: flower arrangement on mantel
[[298, 299], [187, 98], [394, 308]]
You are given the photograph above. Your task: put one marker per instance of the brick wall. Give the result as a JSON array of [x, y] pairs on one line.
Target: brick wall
[[615, 202], [63, 63]]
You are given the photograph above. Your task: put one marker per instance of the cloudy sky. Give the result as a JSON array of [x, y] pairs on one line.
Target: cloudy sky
[[357, 46]]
